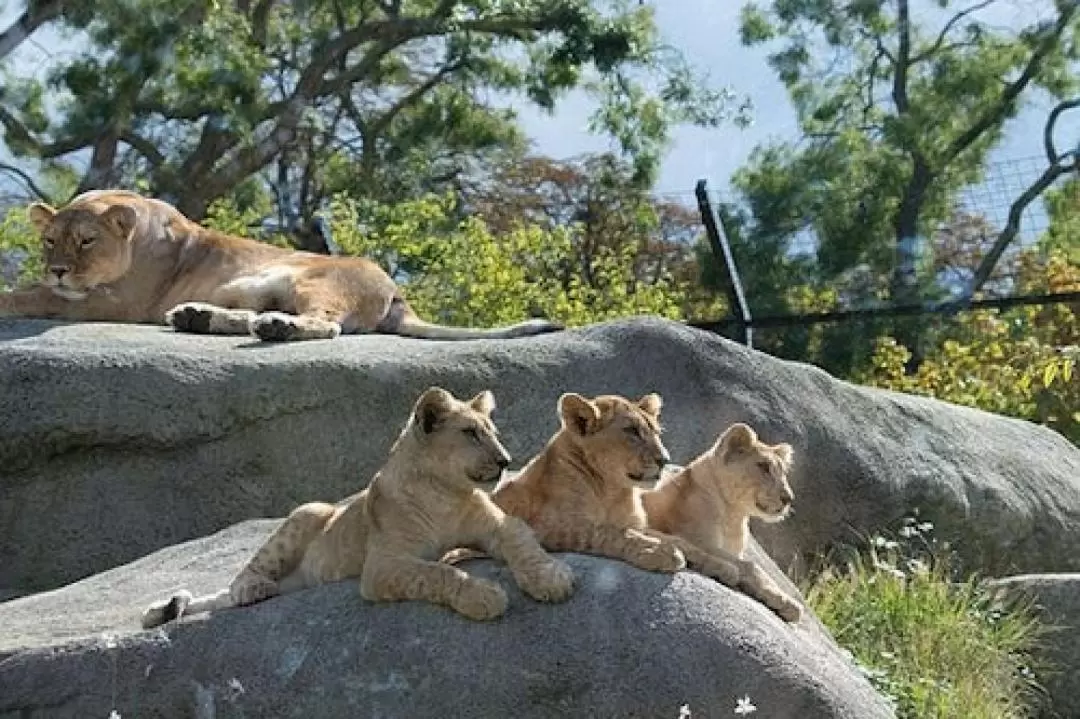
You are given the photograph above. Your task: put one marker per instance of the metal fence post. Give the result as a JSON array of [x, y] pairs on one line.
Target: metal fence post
[[722, 249]]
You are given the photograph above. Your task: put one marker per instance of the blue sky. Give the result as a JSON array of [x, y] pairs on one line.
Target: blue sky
[[706, 31]]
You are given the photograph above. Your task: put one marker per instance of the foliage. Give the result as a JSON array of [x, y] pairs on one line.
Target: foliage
[[938, 645], [460, 272], [1021, 362], [20, 250], [1063, 207], [898, 112], [376, 98]]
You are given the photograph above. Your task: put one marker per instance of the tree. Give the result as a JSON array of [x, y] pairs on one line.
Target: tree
[[193, 98], [896, 117]]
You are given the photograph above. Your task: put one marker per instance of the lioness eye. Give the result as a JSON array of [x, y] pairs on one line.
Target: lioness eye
[[632, 431], [472, 434], [765, 467], [87, 241]]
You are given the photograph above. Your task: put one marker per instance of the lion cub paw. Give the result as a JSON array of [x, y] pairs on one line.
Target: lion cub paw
[[554, 582], [480, 599], [788, 609], [282, 327], [250, 587], [662, 557], [166, 610]]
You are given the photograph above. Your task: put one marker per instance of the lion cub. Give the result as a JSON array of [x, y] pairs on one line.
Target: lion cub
[[422, 503], [579, 495], [711, 500]]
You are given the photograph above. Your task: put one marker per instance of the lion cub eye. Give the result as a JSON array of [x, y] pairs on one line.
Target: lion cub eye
[[87, 241], [632, 431], [765, 467], [472, 434]]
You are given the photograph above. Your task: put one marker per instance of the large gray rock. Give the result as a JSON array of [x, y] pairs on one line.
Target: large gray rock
[[1057, 604], [119, 440], [628, 644]]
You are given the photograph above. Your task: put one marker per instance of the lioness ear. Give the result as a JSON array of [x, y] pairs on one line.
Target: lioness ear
[[432, 406], [784, 452], [483, 402], [651, 404], [578, 414], [120, 218], [40, 215], [735, 439]]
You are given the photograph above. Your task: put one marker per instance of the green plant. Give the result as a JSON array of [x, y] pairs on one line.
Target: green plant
[[938, 645], [19, 244]]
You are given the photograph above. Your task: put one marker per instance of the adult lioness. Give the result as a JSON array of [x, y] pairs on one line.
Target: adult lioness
[[710, 501], [116, 256], [579, 495], [419, 505]]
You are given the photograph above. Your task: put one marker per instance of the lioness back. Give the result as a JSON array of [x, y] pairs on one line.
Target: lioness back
[[118, 256]]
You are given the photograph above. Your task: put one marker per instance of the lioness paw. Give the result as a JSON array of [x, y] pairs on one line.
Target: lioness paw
[[788, 609], [662, 557], [282, 327], [553, 582], [166, 610], [190, 317], [480, 599]]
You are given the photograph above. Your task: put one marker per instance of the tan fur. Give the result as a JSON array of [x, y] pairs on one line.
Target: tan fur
[[116, 256], [421, 504], [579, 495], [710, 501]]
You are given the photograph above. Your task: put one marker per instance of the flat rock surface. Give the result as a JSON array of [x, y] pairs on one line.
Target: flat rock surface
[[119, 440], [627, 644]]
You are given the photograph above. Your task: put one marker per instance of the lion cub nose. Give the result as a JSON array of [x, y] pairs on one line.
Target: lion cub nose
[[503, 461], [786, 497], [59, 270]]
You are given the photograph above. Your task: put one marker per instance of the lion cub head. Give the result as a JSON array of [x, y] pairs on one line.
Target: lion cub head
[[616, 434], [752, 475], [458, 439], [81, 248]]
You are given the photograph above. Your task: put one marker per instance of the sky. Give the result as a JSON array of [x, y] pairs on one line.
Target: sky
[[706, 31]]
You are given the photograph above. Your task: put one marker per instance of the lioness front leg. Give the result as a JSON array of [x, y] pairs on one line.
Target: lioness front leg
[[389, 578], [539, 575], [741, 574], [42, 303], [207, 319], [623, 543]]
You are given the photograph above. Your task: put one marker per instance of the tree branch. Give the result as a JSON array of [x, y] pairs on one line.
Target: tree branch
[[35, 15], [1012, 90], [28, 181], [937, 44]]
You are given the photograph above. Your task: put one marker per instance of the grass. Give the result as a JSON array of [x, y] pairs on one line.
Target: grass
[[937, 645]]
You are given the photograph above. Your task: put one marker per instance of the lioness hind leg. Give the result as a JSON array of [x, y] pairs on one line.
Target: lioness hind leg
[[391, 578], [207, 319], [281, 554], [319, 307], [539, 575]]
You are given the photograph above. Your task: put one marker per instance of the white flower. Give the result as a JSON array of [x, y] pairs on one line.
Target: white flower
[[925, 527], [908, 532], [114, 714], [110, 643], [684, 712], [745, 706]]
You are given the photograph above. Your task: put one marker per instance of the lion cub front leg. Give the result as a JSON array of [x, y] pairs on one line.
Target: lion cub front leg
[[539, 575], [281, 554], [390, 577], [629, 545], [737, 573]]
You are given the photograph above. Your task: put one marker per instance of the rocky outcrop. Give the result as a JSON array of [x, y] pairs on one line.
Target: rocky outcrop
[[116, 441], [627, 644], [1056, 599]]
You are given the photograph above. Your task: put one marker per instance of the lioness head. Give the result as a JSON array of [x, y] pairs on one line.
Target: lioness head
[[459, 437], [617, 434], [753, 474], [82, 249]]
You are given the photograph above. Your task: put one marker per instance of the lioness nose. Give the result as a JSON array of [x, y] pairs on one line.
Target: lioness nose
[[786, 496], [503, 461], [60, 270]]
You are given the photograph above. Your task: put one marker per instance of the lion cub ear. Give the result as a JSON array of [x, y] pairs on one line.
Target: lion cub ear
[[784, 453], [651, 404], [431, 408], [40, 215], [578, 414], [120, 218], [736, 439], [483, 402]]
